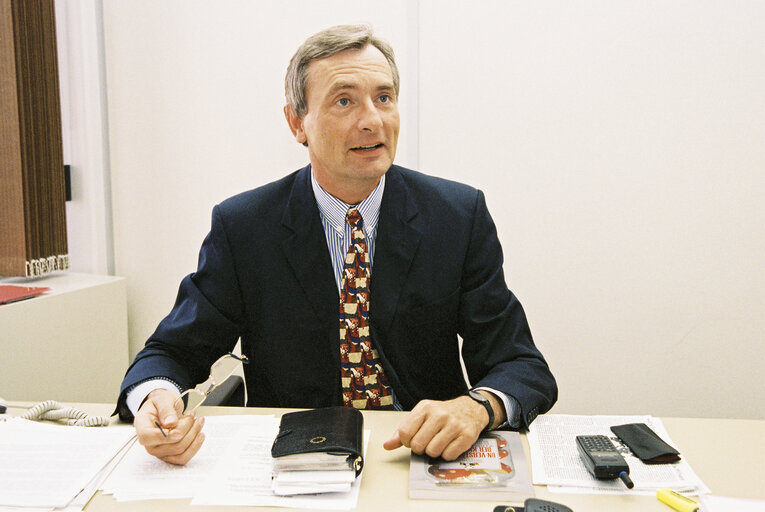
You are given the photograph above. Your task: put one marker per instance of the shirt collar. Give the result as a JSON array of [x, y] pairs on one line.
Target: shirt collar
[[333, 210]]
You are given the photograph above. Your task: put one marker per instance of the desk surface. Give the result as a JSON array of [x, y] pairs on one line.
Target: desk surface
[[727, 455]]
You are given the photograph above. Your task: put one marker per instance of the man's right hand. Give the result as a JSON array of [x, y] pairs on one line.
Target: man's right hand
[[184, 432]]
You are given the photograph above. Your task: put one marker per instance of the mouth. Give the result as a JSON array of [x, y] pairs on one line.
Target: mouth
[[369, 147]]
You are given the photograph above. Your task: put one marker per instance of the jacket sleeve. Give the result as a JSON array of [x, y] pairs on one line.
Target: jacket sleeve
[[498, 349], [203, 324]]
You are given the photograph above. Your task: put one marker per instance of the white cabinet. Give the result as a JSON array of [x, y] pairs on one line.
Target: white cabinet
[[70, 344]]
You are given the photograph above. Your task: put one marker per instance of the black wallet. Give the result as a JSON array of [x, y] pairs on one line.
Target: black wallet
[[333, 431], [645, 443]]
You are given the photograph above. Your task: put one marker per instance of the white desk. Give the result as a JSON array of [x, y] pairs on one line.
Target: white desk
[[707, 444]]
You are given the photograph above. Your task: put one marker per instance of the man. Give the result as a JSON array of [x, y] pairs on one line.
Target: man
[[412, 261]]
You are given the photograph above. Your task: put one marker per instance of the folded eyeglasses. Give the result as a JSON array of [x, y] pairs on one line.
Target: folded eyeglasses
[[220, 371]]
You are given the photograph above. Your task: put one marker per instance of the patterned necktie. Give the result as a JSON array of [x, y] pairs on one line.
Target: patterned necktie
[[363, 379]]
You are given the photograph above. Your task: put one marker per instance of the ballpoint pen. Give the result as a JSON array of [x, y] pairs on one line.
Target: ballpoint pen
[[160, 429]]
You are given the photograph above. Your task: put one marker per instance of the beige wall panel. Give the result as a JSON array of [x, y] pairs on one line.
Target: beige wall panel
[[620, 146]]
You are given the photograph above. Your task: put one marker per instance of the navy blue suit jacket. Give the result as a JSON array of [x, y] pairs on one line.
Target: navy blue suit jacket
[[265, 274]]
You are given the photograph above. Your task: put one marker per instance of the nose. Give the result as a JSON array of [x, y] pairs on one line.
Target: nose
[[369, 116]]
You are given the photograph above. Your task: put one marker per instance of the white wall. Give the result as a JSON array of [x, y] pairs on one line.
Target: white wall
[[619, 146]]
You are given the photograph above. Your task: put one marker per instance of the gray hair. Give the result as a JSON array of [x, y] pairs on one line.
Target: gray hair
[[326, 44]]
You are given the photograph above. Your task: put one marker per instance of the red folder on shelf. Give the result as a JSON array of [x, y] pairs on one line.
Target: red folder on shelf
[[12, 293]]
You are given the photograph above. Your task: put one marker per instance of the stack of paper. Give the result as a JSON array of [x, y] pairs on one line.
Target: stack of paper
[[141, 476], [233, 467], [313, 473], [289, 483], [313, 461], [318, 451], [47, 466], [557, 463]]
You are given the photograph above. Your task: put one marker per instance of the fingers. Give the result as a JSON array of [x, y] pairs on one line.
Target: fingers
[[394, 442], [403, 435], [157, 408], [440, 429], [456, 446], [180, 448], [164, 432], [167, 409], [427, 420]]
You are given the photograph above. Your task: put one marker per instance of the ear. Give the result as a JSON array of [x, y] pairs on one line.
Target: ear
[[295, 123]]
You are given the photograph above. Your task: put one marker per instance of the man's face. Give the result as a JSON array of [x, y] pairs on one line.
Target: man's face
[[352, 121]]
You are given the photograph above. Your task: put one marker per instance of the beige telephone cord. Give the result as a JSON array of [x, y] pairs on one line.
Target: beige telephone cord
[[54, 411]]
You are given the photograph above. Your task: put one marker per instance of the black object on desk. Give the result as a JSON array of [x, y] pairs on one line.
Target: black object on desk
[[534, 505], [645, 443], [602, 459], [335, 431]]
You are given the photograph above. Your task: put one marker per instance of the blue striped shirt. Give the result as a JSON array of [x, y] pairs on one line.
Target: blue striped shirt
[[338, 231]]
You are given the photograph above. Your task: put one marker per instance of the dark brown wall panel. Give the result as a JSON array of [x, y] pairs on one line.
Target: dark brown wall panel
[[32, 194]]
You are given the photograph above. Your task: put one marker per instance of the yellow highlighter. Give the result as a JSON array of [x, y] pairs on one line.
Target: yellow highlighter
[[677, 501]]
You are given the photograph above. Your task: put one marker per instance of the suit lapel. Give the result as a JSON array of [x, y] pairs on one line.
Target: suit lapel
[[397, 240], [305, 248]]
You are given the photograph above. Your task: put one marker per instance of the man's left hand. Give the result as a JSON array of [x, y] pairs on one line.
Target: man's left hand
[[446, 429]]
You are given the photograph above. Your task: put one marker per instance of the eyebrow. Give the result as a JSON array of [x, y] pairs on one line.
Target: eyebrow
[[340, 86]]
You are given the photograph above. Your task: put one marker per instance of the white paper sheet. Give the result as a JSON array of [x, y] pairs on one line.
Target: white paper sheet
[[233, 467], [557, 464], [246, 480], [141, 476], [711, 503], [47, 465]]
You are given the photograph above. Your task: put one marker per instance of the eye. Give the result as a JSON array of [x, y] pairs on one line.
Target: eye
[[343, 102], [384, 98]]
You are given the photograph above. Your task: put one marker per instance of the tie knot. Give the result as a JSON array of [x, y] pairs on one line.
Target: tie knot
[[353, 217]]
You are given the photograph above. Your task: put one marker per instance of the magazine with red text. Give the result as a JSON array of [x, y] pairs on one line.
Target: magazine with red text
[[493, 469]]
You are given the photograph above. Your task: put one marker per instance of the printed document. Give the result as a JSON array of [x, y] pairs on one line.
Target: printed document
[[46, 465], [556, 462], [233, 467], [245, 480], [141, 476]]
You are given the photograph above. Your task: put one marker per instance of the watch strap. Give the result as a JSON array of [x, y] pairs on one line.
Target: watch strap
[[478, 397]]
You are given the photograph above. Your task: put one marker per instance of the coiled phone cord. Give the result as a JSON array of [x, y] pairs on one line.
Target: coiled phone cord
[[52, 410]]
